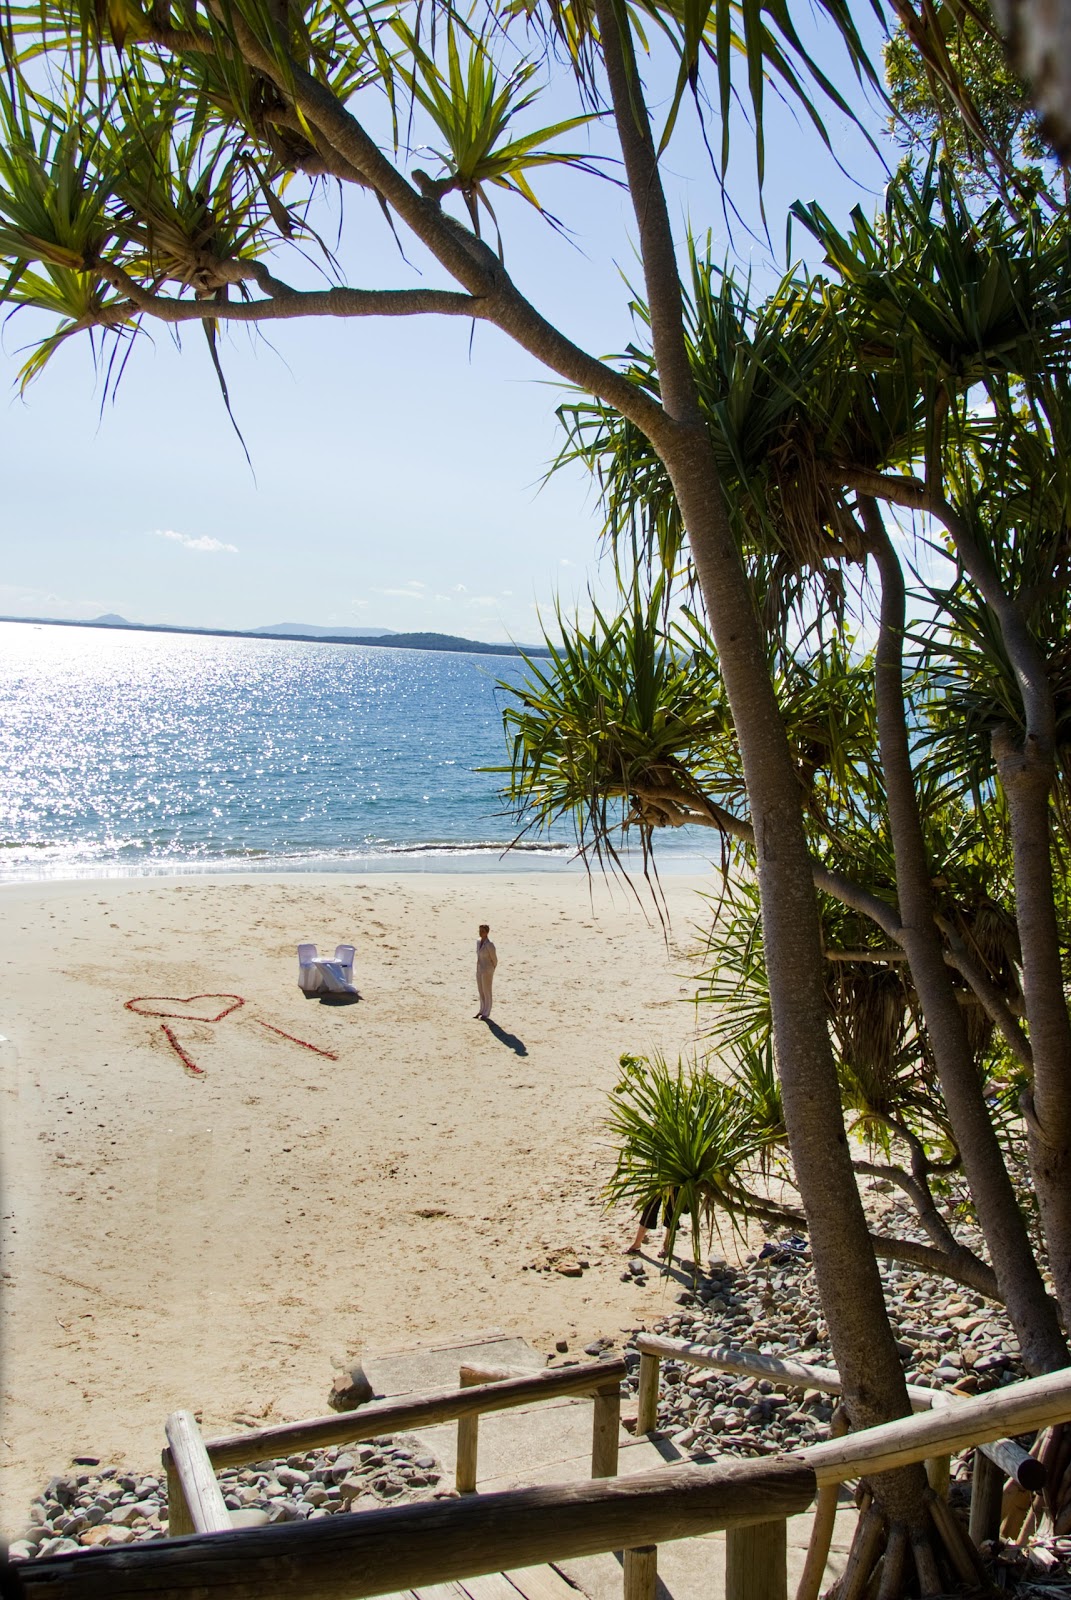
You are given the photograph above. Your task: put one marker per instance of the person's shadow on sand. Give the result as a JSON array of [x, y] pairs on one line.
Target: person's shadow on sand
[[511, 1040]]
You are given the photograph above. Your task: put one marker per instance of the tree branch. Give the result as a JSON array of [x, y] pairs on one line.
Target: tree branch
[[468, 260], [984, 1279], [906, 1251], [1028, 661], [988, 995], [286, 303]]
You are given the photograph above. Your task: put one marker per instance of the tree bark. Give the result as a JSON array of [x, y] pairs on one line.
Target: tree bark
[[1037, 34], [845, 1266], [1026, 768], [1032, 1312], [1026, 778]]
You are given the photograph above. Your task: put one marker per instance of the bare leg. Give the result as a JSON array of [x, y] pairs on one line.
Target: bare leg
[[638, 1242]]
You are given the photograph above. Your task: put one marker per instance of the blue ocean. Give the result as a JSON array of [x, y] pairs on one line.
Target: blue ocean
[[130, 753]]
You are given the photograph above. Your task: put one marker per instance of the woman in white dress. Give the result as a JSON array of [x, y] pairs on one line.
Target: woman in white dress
[[486, 962]]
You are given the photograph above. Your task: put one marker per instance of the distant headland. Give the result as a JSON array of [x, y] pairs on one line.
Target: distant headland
[[301, 633]]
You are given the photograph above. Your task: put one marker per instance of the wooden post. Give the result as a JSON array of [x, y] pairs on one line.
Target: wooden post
[[937, 1472], [201, 1495], [647, 1400], [1018, 1464], [641, 1573], [965, 1558], [605, 1431], [987, 1491], [468, 1443], [756, 1562], [179, 1521], [825, 1517]]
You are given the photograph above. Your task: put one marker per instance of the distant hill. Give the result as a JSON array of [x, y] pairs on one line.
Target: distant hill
[[398, 641], [450, 641], [309, 630]]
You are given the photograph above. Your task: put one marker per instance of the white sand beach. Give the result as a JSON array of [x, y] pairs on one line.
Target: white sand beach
[[215, 1242]]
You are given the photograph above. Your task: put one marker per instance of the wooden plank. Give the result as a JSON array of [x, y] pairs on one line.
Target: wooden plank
[[355, 1555], [756, 1562], [541, 1583], [405, 1416], [439, 1591], [946, 1430], [200, 1491], [492, 1586]]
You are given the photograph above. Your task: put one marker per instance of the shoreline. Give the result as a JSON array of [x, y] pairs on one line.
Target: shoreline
[[217, 1242], [447, 860]]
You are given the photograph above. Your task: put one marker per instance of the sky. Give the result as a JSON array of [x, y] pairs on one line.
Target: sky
[[398, 466]]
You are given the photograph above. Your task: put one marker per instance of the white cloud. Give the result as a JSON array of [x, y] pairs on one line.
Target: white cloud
[[412, 593], [204, 545], [484, 600], [459, 588], [565, 562]]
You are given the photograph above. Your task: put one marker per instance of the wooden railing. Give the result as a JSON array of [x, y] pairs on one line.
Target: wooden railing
[[357, 1555], [995, 1459], [192, 1508]]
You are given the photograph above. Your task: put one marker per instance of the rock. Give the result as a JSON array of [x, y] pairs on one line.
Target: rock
[[107, 1533], [282, 1511], [124, 1516], [21, 1550], [291, 1477], [251, 1517], [561, 1345], [569, 1268], [350, 1390]]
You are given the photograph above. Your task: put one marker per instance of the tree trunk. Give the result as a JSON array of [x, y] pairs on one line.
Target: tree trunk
[[845, 1266], [1032, 1312], [1026, 777], [1038, 38]]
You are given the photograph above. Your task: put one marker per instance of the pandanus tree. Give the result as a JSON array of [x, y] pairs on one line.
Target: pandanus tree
[[977, 310], [626, 728], [160, 162], [821, 391]]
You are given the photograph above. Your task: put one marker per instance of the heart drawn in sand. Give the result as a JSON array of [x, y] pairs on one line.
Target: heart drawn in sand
[[152, 1005]]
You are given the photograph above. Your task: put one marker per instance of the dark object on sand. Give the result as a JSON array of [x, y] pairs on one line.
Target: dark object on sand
[[350, 1389]]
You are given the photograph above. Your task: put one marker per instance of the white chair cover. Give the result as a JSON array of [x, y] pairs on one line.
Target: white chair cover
[[310, 975]]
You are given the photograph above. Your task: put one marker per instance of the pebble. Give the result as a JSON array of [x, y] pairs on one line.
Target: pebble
[[770, 1306], [91, 1509]]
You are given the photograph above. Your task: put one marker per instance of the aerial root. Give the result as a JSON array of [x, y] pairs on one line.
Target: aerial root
[[891, 1585], [941, 1554]]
